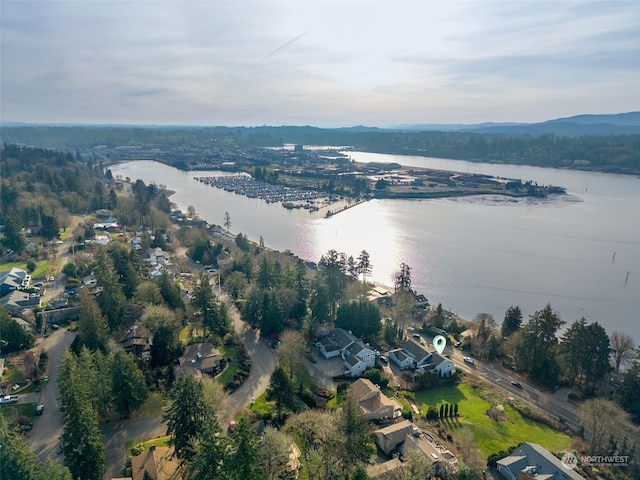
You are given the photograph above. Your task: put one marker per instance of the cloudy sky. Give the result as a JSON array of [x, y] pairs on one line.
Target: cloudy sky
[[324, 63]]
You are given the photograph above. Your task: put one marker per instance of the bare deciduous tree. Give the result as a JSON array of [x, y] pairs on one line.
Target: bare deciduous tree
[[622, 349], [601, 419], [290, 353]]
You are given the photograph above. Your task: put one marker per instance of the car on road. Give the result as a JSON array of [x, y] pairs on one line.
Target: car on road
[[469, 360], [516, 384], [39, 409]]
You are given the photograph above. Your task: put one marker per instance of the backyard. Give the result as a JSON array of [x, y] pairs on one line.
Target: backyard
[[490, 435]]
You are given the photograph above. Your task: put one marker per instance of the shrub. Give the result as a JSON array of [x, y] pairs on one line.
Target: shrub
[[432, 413]]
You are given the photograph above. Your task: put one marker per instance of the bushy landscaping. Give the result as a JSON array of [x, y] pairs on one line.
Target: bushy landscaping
[[489, 435]]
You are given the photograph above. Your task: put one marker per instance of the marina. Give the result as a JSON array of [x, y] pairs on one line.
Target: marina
[[289, 197]]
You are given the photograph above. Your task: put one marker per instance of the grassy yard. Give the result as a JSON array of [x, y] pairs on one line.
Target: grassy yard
[[489, 435], [12, 412], [40, 271], [142, 447]]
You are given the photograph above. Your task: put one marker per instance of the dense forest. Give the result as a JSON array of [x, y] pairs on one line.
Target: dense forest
[[613, 153]]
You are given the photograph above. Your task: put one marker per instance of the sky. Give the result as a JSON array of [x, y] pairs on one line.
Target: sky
[[321, 63]]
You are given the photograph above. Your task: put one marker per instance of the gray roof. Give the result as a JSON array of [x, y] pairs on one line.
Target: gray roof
[[547, 465], [342, 338], [352, 360], [416, 350]]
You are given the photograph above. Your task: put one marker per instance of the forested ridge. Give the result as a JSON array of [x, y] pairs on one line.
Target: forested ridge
[[614, 153]]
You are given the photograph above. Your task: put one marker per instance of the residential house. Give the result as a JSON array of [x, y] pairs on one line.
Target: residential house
[[418, 351], [102, 240], [436, 454], [421, 301], [89, 281], [534, 461], [18, 300], [13, 279], [159, 463], [381, 470], [380, 295], [358, 357], [137, 341], [401, 358], [197, 359], [335, 342], [390, 437], [225, 262], [26, 326], [374, 404], [443, 366]]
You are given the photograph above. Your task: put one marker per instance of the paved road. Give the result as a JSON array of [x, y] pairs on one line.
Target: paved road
[[47, 428]]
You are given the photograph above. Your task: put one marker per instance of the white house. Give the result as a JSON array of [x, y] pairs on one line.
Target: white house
[[401, 358], [335, 342], [355, 366], [363, 352]]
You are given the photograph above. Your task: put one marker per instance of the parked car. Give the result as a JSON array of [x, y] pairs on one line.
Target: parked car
[[457, 344], [469, 360], [516, 384], [54, 326], [39, 409]]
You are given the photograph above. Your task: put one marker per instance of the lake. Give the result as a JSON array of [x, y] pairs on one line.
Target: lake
[[472, 254]]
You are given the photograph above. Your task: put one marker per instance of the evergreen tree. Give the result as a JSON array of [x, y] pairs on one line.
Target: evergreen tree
[[584, 353], [512, 320], [17, 461], [81, 441], [364, 265], [128, 385], [111, 299], [402, 279], [280, 390], [187, 416], [92, 325], [170, 291], [241, 462], [49, 227], [13, 238], [209, 457], [362, 318], [166, 346], [355, 441], [537, 346], [12, 336]]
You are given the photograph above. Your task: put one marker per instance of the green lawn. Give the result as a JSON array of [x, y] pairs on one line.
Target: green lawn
[[40, 270], [489, 435], [144, 446]]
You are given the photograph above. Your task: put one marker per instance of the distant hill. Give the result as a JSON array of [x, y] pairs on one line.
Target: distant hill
[[588, 124]]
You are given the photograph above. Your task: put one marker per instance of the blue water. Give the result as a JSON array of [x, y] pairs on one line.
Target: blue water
[[473, 254]]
